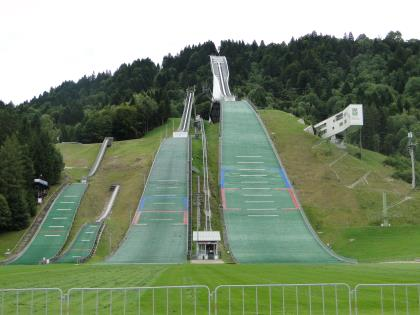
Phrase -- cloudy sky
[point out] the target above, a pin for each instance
(43, 42)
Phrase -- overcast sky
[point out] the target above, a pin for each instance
(44, 42)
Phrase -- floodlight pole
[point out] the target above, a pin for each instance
(411, 151)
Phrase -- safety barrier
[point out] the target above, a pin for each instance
(31, 301)
(387, 299)
(324, 298)
(140, 300)
(311, 299)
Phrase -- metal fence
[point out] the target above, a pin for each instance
(387, 299)
(311, 299)
(283, 299)
(31, 301)
(140, 300)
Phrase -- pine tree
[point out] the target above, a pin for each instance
(12, 182)
(5, 215)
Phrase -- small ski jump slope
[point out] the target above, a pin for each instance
(159, 231)
(105, 144)
(83, 245)
(264, 220)
(53, 231)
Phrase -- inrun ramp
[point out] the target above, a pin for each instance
(83, 245)
(263, 218)
(159, 232)
(54, 230)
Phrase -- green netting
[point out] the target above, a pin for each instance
(262, 216)
(159, 231)
(53, 232)
(83, 245)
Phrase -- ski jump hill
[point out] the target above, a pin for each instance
(159, 230)
(51, 236)
(264, 220)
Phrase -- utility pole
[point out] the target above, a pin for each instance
(198, 204)
(384, 211)
(411, 150)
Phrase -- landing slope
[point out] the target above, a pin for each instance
(263, 218)
(55, 228)
(158, 233)
(83, 245)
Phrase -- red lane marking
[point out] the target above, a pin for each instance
(223, 198)
(185, 217)
(292, 195)
(136, 218)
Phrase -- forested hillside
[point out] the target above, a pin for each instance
(312, 77)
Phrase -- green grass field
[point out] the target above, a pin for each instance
(89, 275)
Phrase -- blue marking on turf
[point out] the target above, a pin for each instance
(222, 178)
(185, 201)
(285, 179)
(141, 203)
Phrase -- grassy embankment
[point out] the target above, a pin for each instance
(347, 218)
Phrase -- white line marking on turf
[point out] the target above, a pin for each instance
(252, 169)
(67, 202)
(52, 235)
(262, 209)
(142, 224)
(162, 219)
(166, 180)
(85, 240)
(248, 156)
(263, 215)
(243, 162)
(62, 209)
(76, 256)
(250, 188)
(56, 226)
(246, 195)
(259, 201)
(253, 182)
(60, 218)
(257, 175)
(89, 232)
(70, 196)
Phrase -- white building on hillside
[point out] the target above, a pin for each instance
(348, 120)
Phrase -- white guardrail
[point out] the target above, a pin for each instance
(311, 299)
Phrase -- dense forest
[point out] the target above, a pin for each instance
(312, 77)
(27, 151)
